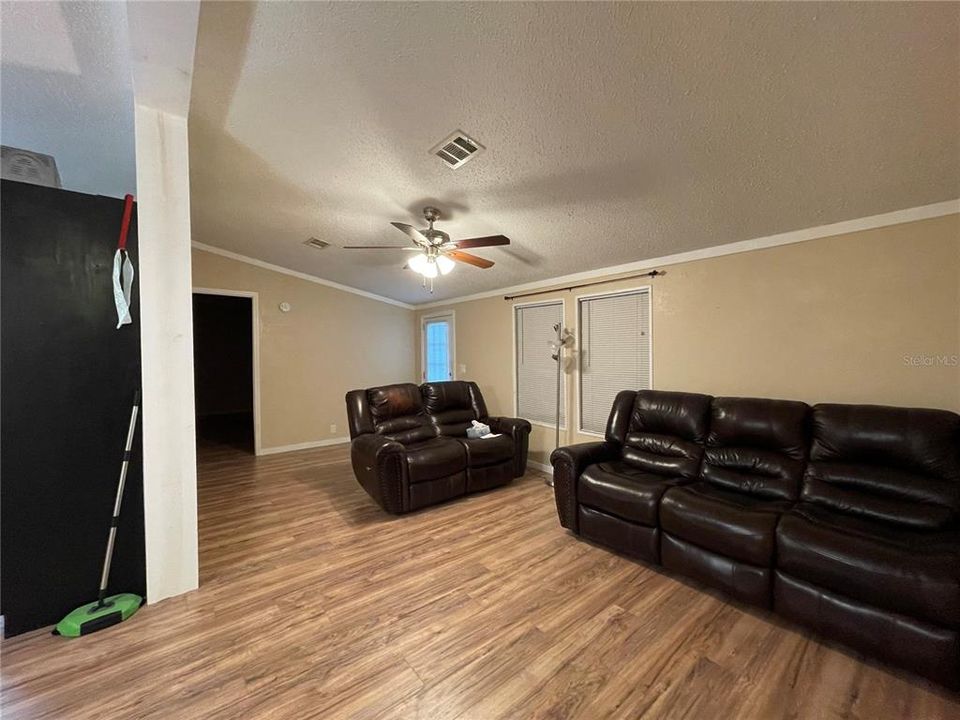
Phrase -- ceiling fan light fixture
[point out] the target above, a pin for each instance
(425, 265)
(418, 262)
(430, 269)
(445, 264)
(436, 253)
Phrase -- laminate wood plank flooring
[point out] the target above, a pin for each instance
(315, 604)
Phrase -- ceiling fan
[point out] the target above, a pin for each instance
(437, 254)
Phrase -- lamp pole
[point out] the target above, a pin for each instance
(558, 356)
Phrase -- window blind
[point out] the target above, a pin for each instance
(614, 352)
(536, 369)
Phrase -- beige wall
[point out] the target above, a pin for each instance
(835, 319)
(330, 342)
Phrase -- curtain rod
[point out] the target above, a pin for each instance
(652, 273)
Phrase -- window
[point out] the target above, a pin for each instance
(437, 334)
(536, 370)
(615, 352)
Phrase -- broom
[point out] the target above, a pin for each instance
(107, 611)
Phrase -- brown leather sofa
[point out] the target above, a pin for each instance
(721, 528)
(843, 518)
(409, 447)
(652, 444)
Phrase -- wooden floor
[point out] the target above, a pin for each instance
(314, 604)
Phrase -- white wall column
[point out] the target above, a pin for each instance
(166, 337)
(162, 41)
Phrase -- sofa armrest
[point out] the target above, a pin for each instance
(519, 430)
(568, 463)
(380, 467)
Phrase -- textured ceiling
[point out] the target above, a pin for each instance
(615, 132)
(66, 90)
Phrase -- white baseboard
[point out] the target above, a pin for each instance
(303, 446)
(540, 466)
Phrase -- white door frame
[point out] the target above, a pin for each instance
(255, 333)
(446, 314)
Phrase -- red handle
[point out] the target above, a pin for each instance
(125, 225)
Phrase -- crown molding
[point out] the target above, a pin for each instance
(299, 275)
(897, 217)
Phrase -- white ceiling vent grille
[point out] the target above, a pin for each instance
(457, 149)
(316, 243)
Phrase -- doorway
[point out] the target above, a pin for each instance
(437, 348)
(225, 366)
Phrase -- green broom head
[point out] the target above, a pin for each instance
(97, 616)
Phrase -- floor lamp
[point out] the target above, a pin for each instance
(563, 337)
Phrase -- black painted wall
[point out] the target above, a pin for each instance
(68, 378)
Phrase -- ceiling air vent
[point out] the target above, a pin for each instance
(457, 149)
(316, 243)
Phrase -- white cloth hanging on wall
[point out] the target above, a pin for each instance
(122, 286)
(123, 268)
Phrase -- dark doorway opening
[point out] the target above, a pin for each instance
(223, 371)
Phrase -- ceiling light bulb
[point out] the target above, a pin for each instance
(429, 269)
(445, 264)
(418, 262)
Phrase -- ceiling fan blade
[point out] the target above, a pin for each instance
(411, 232)
(469, 259)
(380, 247)
(488, 241)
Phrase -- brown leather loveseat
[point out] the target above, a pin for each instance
(843, 518)
(409, 446)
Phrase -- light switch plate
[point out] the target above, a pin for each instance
(461, 368)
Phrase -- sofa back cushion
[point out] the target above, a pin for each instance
(452, 406)
(397, 412)
(757, 446)
(359, 420)
(661, 432)
(898, 465)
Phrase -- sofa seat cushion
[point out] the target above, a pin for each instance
(435, 458)
(729, 523)
(913, 572)
(621, 489)
(487, 451)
